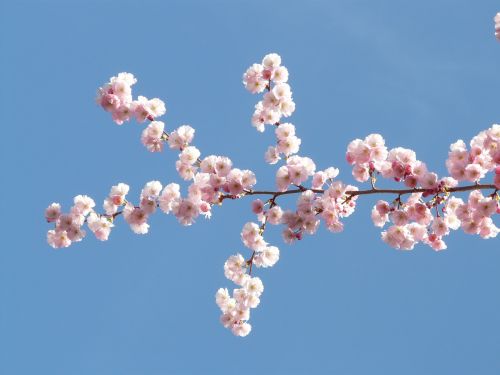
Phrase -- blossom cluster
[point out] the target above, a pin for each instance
(287, 143)
(236, 308)
(68, 226)
(417, 220)
(204, 191)
(207, 188)
(116, 97)
(483, 156)
(413, 221)
(277, 102)
(154, 136)
(330, 206)
(210, 178)
(371, 158)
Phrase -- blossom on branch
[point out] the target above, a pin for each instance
(424, 210)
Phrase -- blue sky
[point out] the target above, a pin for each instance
(422, 74)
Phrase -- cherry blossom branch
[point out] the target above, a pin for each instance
(276, 194)
(213, 179)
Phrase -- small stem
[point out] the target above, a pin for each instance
(250, 263)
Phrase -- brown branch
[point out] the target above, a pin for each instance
(374, 191)
(250, 263)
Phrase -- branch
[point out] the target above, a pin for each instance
(373, 191)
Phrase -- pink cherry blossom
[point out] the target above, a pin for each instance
(257, 206)
(100, 226)
(253, 80)
(137, 218)
(84, 204)
(152, 136)
(181, 137)
(267, 257)
(252, 237)
(58, 238)
(186, 211)
(53, 212)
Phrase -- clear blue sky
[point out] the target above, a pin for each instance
(423, 74)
